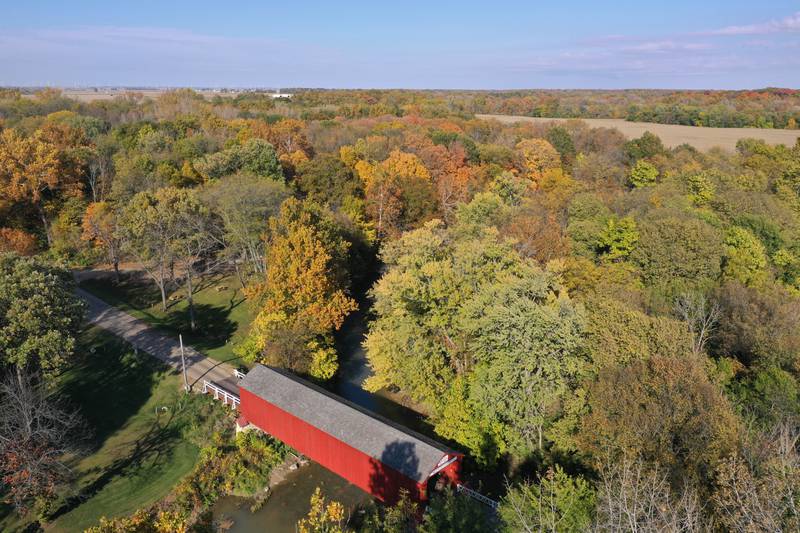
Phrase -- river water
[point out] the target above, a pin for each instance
(289, 501)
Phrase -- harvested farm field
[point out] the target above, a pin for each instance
(671, 134)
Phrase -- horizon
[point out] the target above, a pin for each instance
(447, 46)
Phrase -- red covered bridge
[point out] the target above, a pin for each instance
(365, 449)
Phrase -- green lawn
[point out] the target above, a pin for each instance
(137, 452)
(223, 316)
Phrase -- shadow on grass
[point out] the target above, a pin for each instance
(150, 452)
(214, 327)
(110, 384)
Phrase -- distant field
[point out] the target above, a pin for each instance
(674, 135)
(87, 95)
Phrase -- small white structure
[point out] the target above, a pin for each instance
(278, 94)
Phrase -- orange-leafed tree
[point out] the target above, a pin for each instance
(18, 241)
(304, 295)
(31, 171)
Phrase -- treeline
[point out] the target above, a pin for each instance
(762, 108)
(612, 325)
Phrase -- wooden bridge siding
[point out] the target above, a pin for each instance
(358, 468)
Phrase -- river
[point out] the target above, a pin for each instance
(289, 500)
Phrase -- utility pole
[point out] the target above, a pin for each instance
(183, 364)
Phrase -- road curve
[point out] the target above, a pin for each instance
(148, 339)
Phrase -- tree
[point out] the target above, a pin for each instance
(745, 258)
(700, 316)
(327, 180)
(254, 156)
(449, 511)
(759, 490)
(323, 516)
(304, 295)
(618, 239)
(398, 191)
(17, 241)
(527, 346)
(556, 503)
(31, 171)
(677, 251)
(635, 496)
(153, 226)
(481, 336)
(664, 410)
(39, 316)
(100, 228)
(193, 243)
(643, 174)
(539, 156)
(243, 204)
(37, 434)
(646, 146)
(561, 140)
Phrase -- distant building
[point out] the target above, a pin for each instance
(278, 94)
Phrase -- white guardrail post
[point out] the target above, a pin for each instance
(477, 496)
(220, 392)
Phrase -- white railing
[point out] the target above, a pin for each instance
(477, 496)
(220, 393)
(238, 373)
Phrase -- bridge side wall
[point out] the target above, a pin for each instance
(369, 474)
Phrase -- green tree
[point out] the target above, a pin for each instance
(40, 316)
(243, 204)
(745, 257)
(557, 503)
(618, 239)
(449, 511)
(643, 174)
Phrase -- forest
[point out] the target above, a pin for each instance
(608, 329)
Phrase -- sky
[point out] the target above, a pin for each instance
(432, 44)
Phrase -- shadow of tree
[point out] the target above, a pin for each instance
(107, 368)
(149, 453)
(397, 464)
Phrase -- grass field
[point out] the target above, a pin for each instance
(223, 316)
(674, 135)
(137, 453)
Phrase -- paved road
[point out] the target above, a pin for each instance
(144, 337)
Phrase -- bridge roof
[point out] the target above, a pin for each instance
(410, 453)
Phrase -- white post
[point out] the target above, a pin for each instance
(183, 364)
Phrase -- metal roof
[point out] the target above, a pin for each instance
(409, 453)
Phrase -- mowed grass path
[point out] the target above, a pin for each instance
(222, 314)
(136, 452)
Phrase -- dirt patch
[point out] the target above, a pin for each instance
(673, 135)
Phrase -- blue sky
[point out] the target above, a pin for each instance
(410, 44)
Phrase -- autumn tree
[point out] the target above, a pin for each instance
(100, 228)
(664, 410)
(304, 295)
(31, 171)
(17, 241)
(539, 157)
(323, 517)
(399, 192)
